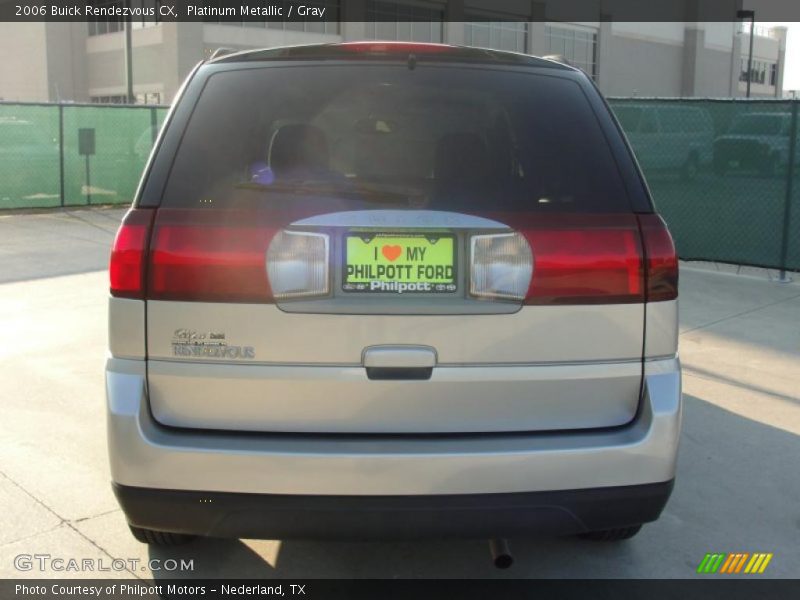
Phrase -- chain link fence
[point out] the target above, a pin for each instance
(723, 174)
(721, 171)
(73, 154)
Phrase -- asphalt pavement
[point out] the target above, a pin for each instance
(737, 490)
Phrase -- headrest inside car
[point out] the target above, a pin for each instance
(298, 150)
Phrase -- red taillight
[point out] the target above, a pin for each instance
(222, 257)
(662, 260)
(209, 256)
(126, 267)
(584, 259)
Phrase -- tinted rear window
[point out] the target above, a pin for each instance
(385, 136)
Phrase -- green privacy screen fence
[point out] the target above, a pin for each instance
(723, 172)
(43, 162)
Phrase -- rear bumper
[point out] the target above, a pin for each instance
(168, 461)
(392, 517)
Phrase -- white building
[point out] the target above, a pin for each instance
(84, 62)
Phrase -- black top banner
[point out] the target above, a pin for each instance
(400, 10)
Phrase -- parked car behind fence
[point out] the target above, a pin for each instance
(668, 138)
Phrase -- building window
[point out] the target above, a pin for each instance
(118, 99)
(103, 25)
(150, 21)
(762, 71)
(743, 28)
(401, 21)
(577, 45)
(140, 98)
(501, 35)
(148, 98)
(765, 73)
(743, 70)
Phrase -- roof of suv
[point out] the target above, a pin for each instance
(387, 50)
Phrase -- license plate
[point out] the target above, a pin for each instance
(399, 263)
(733, 163)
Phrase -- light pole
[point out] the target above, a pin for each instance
(749, 14)
(129, 57)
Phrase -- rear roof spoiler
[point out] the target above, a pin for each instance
(221, 52)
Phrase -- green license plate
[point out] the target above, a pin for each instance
(399, 263)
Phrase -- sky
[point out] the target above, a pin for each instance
(791, 76)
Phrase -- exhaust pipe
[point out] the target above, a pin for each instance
(501, 555)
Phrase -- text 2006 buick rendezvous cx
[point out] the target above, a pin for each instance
(384, 290)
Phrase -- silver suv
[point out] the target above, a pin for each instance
(389, 290)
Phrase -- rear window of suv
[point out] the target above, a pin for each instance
(366, 136)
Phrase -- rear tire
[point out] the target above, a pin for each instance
(160, 538)
(612, 535)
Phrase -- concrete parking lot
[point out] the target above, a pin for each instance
(738, 485)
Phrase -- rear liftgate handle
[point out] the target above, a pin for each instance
(399, 362)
